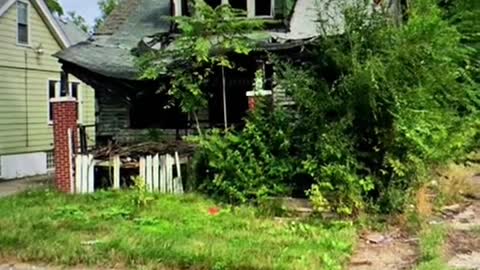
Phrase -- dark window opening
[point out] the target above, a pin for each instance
(263, 8)
(155, 111)
(74, 89)
(51, 94)
(269, 72)
(239, 4)
(214, 3)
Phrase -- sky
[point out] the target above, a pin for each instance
(86, 8)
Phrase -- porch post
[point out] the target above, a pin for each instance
(65, 141)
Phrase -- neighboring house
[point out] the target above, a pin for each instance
(129, 108)
(29, 77)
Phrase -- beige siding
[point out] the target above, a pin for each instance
(24, 79)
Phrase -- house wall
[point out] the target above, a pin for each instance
(113, 118)
(25, 132)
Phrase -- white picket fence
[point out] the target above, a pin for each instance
(157, 171)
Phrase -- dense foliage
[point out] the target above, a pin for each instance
(208, 37)
(374, 109)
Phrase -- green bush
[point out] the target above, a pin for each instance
(375, 108)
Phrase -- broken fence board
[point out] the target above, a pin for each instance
(155, 164)
(78, 174)
(178, 179)
(116, 172)
(84, 173)
(163, 171)
(148, 173)
(91, 174)
(169, 173)
(71, 161)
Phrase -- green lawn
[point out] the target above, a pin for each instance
(108, 229)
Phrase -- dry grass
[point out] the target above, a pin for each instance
(455, 182)
(424, 202)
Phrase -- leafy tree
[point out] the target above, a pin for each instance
(79, 21)
(54, 7)
(106, 7)
(206, 40)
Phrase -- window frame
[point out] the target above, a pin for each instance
(79, 98)
(250, 9)
(29, 35)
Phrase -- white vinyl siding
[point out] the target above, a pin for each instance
(24, 80)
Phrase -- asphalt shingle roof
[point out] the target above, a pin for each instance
(110, 51)
(73, 33)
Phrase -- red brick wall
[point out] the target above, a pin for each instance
(64, 118)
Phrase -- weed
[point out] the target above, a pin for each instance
(70, 212)
(140, 196)
(432, 239)
(116, 213)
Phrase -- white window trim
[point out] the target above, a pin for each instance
(250, 8)
(29, 27)
(57, 94)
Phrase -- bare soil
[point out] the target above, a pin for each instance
(396, 251)
(463, 247)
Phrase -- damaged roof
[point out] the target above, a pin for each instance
(109, 51)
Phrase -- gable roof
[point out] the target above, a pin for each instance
(46, 15)
(71, 31)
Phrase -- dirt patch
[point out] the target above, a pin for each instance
(462, 242)
(463, 247)
(393, 251)
(467, 219)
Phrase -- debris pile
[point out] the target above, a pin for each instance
(135, 151)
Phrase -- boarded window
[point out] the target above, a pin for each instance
(22, 23)
(263, 8)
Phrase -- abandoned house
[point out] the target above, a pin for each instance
(128, 108)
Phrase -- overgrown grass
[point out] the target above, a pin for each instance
(455, 183)
(107, 229)
(432, 240)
